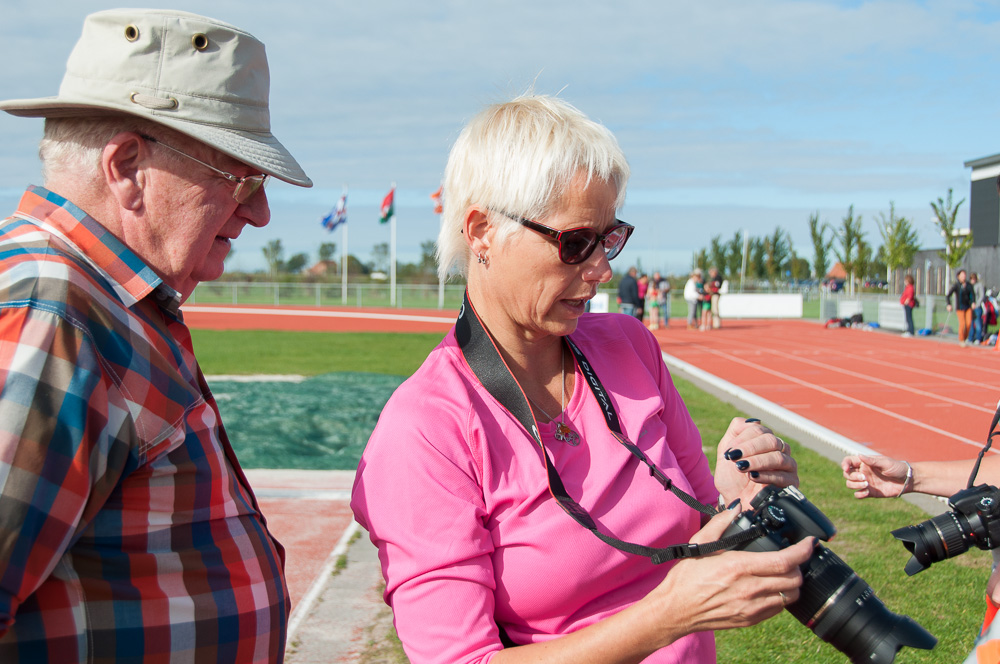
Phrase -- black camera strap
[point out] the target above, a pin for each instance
(486, 362)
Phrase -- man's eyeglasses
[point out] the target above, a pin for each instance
(246, 186)
(577, 244)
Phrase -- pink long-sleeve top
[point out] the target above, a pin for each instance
(454, 494)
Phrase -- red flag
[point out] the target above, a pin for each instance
(388, 207)
(436, 197)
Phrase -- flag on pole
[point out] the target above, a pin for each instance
(436, 197)
(388, 206)
(337, 216)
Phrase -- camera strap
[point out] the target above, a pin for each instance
(484, 358)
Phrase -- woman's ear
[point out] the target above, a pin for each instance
(121, 167)
(477, 231)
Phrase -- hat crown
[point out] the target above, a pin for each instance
(196, 75)
(173, 63)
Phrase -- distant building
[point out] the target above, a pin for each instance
(322, 269)
(984, 204)
(929, 269)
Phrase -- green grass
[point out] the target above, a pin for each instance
(947, 599)
(310, 353)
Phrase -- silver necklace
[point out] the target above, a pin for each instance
(563, 433)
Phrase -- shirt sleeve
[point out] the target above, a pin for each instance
(58, 462)
(418, 493)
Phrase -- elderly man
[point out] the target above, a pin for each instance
(127, 529)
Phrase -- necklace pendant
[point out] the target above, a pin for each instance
(566, 435)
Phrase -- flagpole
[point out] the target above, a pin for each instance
(343, 268)
(392, 255)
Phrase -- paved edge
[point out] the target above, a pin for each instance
(827, 443)
(303, 608)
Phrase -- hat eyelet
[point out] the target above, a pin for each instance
(131, 32)
(199, 41)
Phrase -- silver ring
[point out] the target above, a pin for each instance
(784, 600)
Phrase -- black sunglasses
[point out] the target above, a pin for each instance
(577, 244)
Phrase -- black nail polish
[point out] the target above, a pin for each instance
(751, 420)
(742, 465)
(733, 455)
(733, 504)
(754, 474)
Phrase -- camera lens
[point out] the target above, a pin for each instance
(842, 609)
(933, 540)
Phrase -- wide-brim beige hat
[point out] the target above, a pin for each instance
(196, 75)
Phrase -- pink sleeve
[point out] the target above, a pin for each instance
(418, 493)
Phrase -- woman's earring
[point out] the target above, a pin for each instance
(483, 261)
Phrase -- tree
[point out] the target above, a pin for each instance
(756, 260)
(821, 245)
(327, 251)
(734, 256)
(863, 259)
(777, 250)
(849, 235)
(899, 241)
(295, 264)
(717, 253)
(380, 257)
(428, 259)
(273, 252)
(700, 260)
(955, 245)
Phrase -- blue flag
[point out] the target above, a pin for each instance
(337, 216)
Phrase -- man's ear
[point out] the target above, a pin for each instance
(121, 166)
(477, 231)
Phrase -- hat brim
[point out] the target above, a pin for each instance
(258, 149)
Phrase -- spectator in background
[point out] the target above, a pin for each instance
(662, 298)
(964, 296)
(978, 296)
(643, 286)
(653, 304)
(692, 295)
(628, 293)
(129, 532)
(714, 288)
(909, 300)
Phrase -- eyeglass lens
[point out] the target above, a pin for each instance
(248, 186)
(577, 246)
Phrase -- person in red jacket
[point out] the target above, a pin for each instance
(909, 300)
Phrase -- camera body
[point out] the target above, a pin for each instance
(834, 602)
(974, 520)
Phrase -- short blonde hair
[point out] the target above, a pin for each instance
(518, 158)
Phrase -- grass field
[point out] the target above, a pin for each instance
(947, 599)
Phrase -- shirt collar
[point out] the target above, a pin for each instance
(132, 278)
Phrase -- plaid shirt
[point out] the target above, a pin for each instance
(127, 529)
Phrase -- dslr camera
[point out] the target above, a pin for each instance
(974, 520)
(834, 602)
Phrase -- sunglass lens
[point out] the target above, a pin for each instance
(576, 246)
(615, 241)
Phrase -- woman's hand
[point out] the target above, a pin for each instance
(749, 457)
(732, 588)
(874, 476)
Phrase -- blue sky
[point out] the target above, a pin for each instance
(734, 114)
